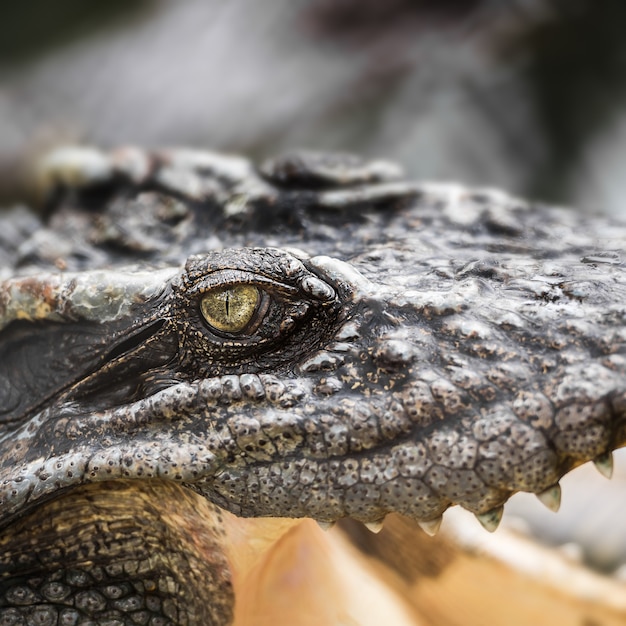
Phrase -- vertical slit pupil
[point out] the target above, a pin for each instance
(231, 308)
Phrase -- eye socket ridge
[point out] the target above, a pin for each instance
(234, 302)
(246, 307)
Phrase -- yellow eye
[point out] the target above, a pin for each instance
(230, 309)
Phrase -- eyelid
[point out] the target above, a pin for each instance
(231, 278)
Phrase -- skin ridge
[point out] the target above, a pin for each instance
(423, 345)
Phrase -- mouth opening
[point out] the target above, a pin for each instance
(134, 341)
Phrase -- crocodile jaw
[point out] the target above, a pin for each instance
(419, 400)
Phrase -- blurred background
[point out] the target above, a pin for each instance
(526, 95)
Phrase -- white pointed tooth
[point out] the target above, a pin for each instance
(374, 527)
(551, 497)
(604, 464)
(325, 525)
(431, 526)
(491, 519)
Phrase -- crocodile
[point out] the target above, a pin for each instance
(311, 337)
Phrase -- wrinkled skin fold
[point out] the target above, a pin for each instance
(412, 348)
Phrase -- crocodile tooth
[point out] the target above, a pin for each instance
(604, 464)
(551, 497)
(374, 527)
(431, 526)
(325, 525)
(491, 519)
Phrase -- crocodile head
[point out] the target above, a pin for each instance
(398, 348)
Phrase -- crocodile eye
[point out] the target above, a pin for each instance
(230, 309)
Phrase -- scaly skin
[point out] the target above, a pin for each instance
(419, 346)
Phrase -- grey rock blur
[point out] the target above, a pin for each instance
(524, 95)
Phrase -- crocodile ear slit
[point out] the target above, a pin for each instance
(604, 464)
